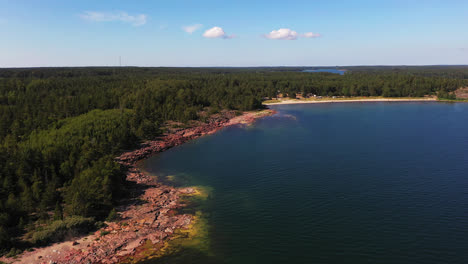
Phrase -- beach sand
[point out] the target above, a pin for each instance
(349, 100)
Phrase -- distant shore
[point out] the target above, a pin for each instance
(347, 100)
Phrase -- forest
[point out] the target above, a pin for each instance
(61, 128)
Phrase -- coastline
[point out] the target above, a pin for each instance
(148, 218)
(351, 100)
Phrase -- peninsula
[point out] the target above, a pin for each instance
(148, 219)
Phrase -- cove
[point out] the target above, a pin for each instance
(330, 183)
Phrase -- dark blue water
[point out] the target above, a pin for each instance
(340, 72)
(332, 183)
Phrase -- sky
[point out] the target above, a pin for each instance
(232, 33)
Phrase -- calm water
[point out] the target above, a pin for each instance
(340, 72)
(332, 183)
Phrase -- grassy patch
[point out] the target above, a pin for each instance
(13, 253)
(271, 101)
(62, 229)
(103, 233)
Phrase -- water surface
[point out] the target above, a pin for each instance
(332, 183)
(340, 72)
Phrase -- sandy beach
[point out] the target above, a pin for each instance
(349, 100)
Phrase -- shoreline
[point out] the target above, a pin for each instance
(148, 217)
(319, 101)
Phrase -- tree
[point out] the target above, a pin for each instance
(58, 212)
(112, 215)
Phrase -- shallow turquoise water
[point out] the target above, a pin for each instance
(332, 183)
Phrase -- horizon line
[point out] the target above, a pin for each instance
(261, 66)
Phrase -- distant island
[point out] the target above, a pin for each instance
(70, 139)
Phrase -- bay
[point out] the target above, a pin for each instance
(330, 183)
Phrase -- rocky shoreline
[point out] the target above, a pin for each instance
(149, 216)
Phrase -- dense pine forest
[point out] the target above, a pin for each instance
(61, 128)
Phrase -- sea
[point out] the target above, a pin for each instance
(368, 182)
(340, 72)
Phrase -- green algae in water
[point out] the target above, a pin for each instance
(193, 238)
(178, 180)
(189, 243)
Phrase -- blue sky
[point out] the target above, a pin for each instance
(232, 33)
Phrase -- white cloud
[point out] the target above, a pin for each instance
(282, 33)
(135, 20)
(289, 34)
(216, 32)
(192, 28)
(311, 35)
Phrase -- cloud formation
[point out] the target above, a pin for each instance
(289, 34)
(311, 35)
(192, 28)
(282, 33)
(135, 20)
(216, 32)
